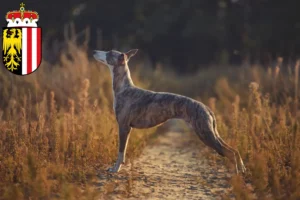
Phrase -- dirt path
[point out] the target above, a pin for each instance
(171, 168)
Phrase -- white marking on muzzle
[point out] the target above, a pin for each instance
(100, 56)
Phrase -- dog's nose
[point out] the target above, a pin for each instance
(100, 56)
(95, 52)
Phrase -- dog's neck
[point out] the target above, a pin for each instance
(121, 78)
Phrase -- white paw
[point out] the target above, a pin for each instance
(114, 169)
(118, 164)
(242, 166)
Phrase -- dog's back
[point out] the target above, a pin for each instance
(146, 108)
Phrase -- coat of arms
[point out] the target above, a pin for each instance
(22, 42)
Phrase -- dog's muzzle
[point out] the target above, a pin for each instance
(100, 56)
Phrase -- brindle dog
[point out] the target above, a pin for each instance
(138, 108)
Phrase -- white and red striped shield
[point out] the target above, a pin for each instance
(22, 50)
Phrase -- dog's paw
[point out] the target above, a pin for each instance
(113, 169)
(243, 169)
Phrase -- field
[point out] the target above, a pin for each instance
(58, 130)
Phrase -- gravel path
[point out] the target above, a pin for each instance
(174, 167)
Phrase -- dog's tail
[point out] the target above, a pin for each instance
(214, 121)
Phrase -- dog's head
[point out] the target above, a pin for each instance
(114, 58)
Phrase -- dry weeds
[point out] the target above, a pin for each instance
(57, 128)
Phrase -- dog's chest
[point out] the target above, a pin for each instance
(119, 104)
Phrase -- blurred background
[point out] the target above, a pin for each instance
(185, 34)
(239, 57)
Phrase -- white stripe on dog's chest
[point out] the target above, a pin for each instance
(114, 102)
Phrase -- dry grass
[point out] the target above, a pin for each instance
(57, 126)
(257, 112)
(58, 129)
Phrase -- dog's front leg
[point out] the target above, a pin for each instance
(124, 132)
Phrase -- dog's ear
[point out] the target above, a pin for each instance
(131, 53)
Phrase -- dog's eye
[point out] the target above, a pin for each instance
(121, 57)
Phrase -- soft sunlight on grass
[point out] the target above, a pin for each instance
(58, 128)
(257, 112)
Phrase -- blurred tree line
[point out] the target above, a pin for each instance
(183, 33)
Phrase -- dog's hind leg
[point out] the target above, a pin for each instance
(236, 153)
(124, 132)
(214, 141)
(217, 141)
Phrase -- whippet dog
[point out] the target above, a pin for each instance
(138, 108)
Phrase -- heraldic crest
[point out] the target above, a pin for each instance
(22, 41)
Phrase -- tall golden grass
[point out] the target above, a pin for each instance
(58, 129)
(257, 112)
